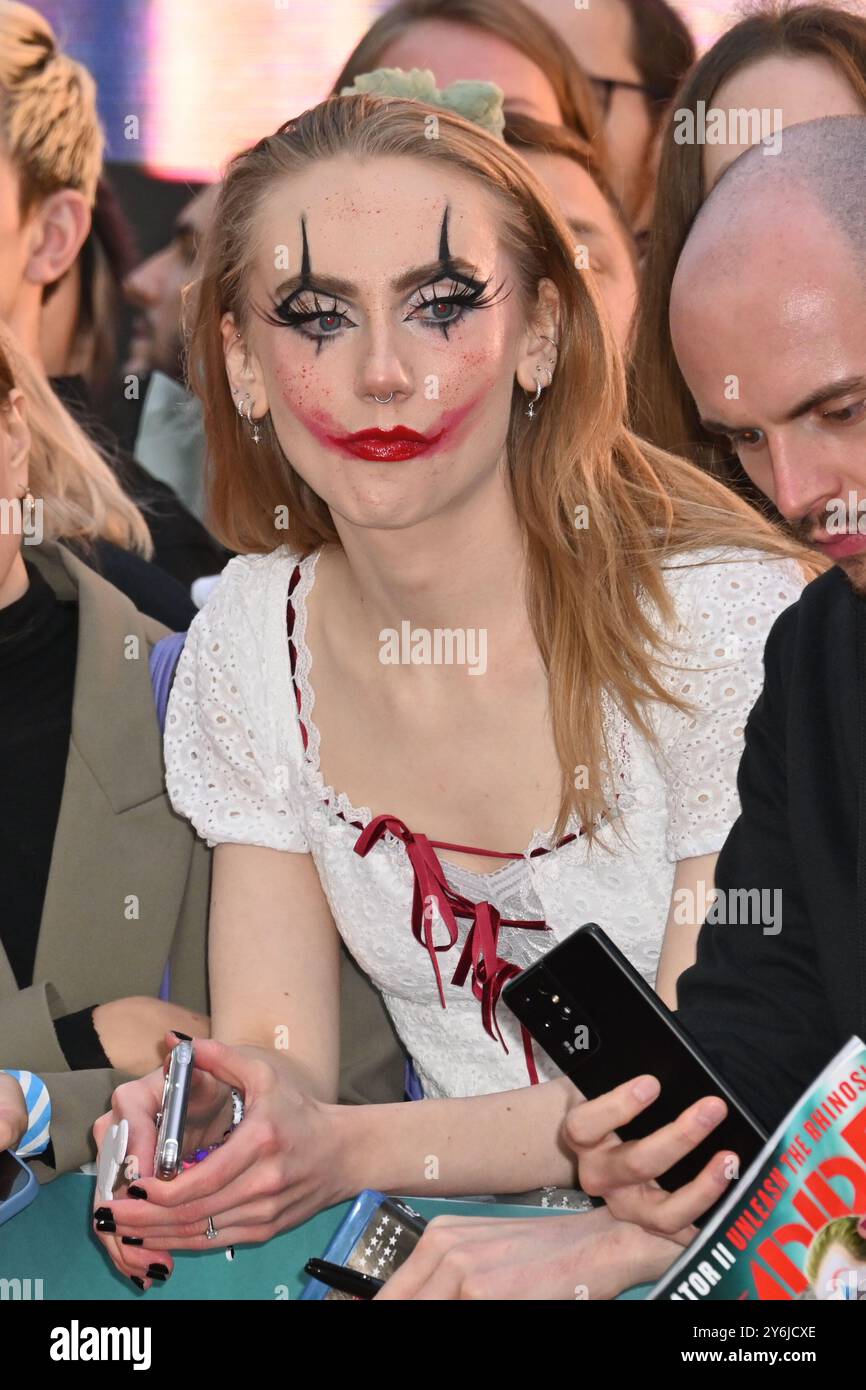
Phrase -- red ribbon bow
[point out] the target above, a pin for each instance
(490, 973)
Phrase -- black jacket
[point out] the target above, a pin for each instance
(182, 546)
(772, 1009)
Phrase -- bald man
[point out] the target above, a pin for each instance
(767, 314)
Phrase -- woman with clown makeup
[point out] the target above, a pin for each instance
(479, 674)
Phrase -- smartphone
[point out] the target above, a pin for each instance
(171, 1118)
(599, 1021)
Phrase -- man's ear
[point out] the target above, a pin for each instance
(539, 351)
(59, 230)
(242, 370)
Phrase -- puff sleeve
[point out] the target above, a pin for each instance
(726, 611)
(232, 746)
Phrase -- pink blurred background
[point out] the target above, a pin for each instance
(206, 77)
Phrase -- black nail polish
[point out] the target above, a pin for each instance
(131, 1240)
(184, 1037)
(106, 1227)
(103, 1214)
(157, 1271)
(138, 1192)
(135, 1279)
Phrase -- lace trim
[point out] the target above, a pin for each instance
(338, 803)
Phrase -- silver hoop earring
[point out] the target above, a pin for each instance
(384, 400)
(530, 409)
(245, 410)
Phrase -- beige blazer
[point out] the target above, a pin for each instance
(128, 886)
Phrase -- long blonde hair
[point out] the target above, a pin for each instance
(584, 586)
(81, 498)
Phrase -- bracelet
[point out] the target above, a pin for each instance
(237, 1115)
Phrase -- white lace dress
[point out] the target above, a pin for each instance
(238, 769)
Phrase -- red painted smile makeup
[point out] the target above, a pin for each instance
(386, 445)
(392, 445)
(300, 305)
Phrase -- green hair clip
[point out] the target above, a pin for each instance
(480, 102)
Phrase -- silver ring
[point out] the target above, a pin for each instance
(211, 1231)
(383, 400)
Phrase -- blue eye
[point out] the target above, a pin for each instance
(328, 322)
(444, 310)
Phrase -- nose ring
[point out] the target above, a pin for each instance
(383, 400)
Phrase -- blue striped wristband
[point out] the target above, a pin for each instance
(37, 1138)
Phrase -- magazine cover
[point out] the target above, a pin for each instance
(794, 1227)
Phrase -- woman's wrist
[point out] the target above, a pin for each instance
(365, 1154)
(640, 1258)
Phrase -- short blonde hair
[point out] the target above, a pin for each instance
(49, 125)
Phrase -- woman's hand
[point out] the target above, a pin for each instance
(132, 1031)
(208, 1116)
(287, 1159)
(13, 1113)
(625, 1174)
(581, 1256)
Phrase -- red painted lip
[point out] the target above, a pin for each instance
(842, 547)
(387, 445)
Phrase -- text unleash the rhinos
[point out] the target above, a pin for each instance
(76, 1343)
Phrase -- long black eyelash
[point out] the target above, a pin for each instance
(282, 314)
(472, 296)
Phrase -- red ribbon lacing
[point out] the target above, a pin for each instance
(480, 954)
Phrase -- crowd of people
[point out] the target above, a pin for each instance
(540, 330)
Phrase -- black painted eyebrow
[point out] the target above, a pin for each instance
(305, 252)
(447, 267)
(458, 270)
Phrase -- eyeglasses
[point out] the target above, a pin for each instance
(606, 86)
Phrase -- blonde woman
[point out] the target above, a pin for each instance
(51, 147)
(415, 416)
(102, 883)
(81, 503)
